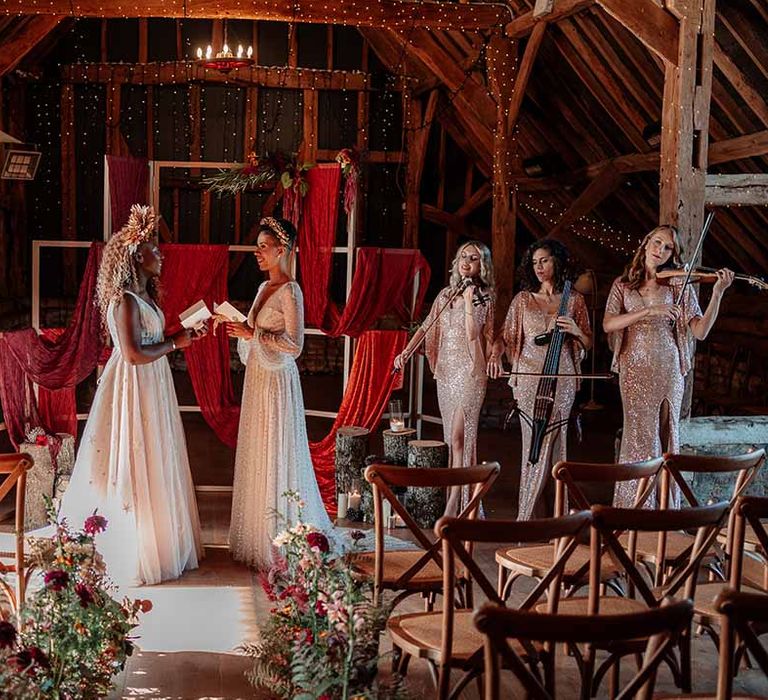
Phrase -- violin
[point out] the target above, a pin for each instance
(706, 275)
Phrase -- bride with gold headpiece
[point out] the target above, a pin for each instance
(132, 463)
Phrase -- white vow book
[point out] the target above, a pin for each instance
(229, 312)
(195, 315)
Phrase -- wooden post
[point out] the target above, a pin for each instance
(685, 131)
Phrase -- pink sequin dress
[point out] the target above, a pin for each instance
(459, 368)
(651, 357)
(525, 320)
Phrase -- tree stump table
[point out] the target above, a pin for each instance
(426, 505)
(351, 451)
(396, 444)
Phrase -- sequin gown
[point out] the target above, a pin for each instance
(459, 368)
(132, 465)
(272, 448)
(525, 320)
(651, 357)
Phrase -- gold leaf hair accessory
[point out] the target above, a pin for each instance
(140, 227)
(269, 222)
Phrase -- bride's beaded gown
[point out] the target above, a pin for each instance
(272, 447)
(132, 465)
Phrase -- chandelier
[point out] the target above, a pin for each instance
(225, 60)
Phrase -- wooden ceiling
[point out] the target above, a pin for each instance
(593, 95)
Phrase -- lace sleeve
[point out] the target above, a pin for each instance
(291, 340)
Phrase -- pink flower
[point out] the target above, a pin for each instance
(319, 540)
(56, 579)
(7, 634)
(95, 523)
(84, 594)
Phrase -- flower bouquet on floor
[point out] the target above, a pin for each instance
(321, 641)
(73, 637)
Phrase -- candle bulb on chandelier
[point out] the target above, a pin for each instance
(208, 51)
(199, 52)
(249, 53)
(225, 50)
(239, 50)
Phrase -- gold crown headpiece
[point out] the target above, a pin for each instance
(269, 222)
(140, 227)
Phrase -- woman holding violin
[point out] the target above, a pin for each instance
(457, 335)
(545, 275)
(649, 318)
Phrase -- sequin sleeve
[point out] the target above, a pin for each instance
(512, 332)
(686, 343)
(615, 305)
(432, 338)
(581, 317)
(291, 340)
(244, 346)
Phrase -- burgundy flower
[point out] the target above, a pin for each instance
(7, 634)
(319, 540)
(56, 579)
(84, 593)
(26, 659)
(38, 656)
(320, 608)
(95, 523)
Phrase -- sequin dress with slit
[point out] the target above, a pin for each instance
(132, 465)
(272, 448)
(459, 368)
(525, 320)
(651, 357)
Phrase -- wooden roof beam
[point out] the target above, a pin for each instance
(523, 25)
(737, 190)
(652, 25)
(523, 75)
(31, 30)
(376, 13)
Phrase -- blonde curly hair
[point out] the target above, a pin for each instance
(117, 272)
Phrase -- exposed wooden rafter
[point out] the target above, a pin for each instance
(737, 190)
(523, 25)
(375, 13)
(29, 31)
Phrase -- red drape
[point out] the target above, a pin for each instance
(370, 384)
(54, 364)
(317, 234)
(190, 273)
(383, 283)
(58, 411)
(128, 177)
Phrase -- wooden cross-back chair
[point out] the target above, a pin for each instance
(12, 556)
(607, 523)
(747, 516)
(661, 553)
(446, 639)
(661, 626)
(532, 561)
(416, 571)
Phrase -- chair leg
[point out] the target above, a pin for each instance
(615, 680)
(501, 581)
(685, 662)
(588, 669)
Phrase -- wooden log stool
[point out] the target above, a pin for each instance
(426, 505)
(396, 445)
(351, 451)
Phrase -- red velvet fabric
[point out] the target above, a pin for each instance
(58, 411)
(54, 364)
(128, 178)
(370, 384)
(190, 273)
(317, 235)
(383, 284)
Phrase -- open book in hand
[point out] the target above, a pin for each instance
(228, 312)
(195, 315)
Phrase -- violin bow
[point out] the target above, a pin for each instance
(694, 257)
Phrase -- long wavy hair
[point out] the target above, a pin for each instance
(634, 273)
(486, 266)
(566, 267)
(118, 270)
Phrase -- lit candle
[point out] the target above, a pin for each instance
(208, 51)
(353, 499)
(387, 508)
(250, 51)
(225, 50)
(341, 511)
(239, 50)
(199, 52)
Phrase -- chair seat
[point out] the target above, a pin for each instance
(704, 612)
(420, 634)
(754, 572)
(677, 544)
(751, 543)
(396, 563)
(609, 605)
(537, 560)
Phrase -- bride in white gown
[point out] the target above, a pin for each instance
(272, 447)
(132, 463)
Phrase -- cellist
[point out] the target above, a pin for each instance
(649, 331)
(532, 315)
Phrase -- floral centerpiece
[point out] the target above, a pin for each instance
(73, 637)
(322, 637)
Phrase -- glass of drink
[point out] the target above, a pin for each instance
(396, 422)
